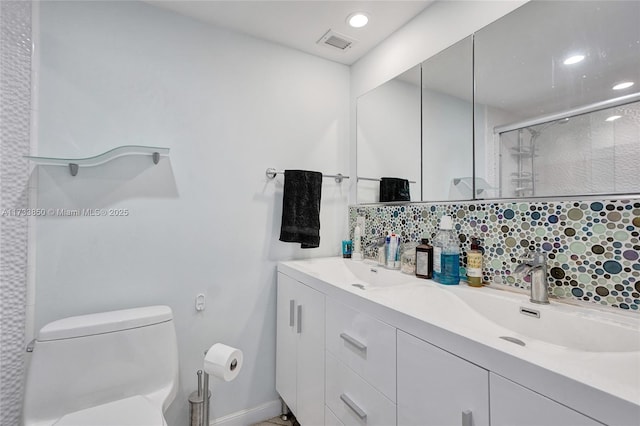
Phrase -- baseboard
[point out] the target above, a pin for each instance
(250, 416)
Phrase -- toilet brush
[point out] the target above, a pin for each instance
(197, 406)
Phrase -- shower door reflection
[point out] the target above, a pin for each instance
(595, 153)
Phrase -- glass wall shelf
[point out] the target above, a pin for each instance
(121, 151)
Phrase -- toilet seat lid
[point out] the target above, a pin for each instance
(133, 411)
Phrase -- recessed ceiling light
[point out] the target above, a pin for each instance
(623, 85)
(574, 59)
(358, 20)
(613, 118)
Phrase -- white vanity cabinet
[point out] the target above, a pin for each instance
(300, 363)
(514, 405)
(437, 388)
(375, 357)
(330, 419)
(360, 366)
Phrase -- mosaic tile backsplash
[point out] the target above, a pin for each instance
(592, 246)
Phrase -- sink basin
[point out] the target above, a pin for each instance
(487, 312)
(373, 276)
(574, 327)
(346, 272)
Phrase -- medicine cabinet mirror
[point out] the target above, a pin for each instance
(388, 135)
(435, 99)
(551, 115)
(447, 124)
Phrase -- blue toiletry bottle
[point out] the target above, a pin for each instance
(346, 249)
(446, 254)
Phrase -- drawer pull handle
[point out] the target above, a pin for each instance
(467, 418)
(291, 312)
(356, 344)
(299, 319)
(353, 406)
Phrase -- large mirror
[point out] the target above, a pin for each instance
(388, 140)
(419, 127)
(557, 100)
(556, 110)
(447, 124)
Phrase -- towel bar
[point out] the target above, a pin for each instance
(271, 174)
(377, 179)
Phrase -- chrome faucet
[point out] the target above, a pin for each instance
(534, 264)
(375, 244)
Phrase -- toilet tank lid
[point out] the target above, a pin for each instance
(104, 322)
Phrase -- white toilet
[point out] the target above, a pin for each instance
(112, 368)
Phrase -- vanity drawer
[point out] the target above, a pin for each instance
(363, 343)
(354, 401)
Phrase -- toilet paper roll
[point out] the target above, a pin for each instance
(223, 361)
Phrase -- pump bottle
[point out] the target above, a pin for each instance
(474, 264)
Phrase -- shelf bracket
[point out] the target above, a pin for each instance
(271, 173)
(156, 157)
(73, 169)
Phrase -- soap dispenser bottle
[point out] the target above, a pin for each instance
(474, 264)
(446, 254)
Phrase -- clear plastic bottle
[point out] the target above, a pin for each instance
(446, 254)
(408, 258)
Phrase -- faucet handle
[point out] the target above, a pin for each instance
(534, 257)
(378, 242)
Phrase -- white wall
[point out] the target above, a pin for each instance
(204, 220)
(15, 111)
(436, 28)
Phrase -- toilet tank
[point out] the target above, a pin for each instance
(87, 360)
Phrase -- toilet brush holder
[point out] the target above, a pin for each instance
(197, 405)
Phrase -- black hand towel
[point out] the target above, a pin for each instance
(394, 189)
(301, 208)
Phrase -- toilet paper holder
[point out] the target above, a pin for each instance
(200, 399)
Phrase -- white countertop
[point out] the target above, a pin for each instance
(581, 373)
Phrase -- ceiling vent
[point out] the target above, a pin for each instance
(335, 40)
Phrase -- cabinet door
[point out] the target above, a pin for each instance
(437, 388)
(286, 341)
(514, 405)
(310, 325)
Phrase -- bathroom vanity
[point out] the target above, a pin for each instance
(359, 344)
